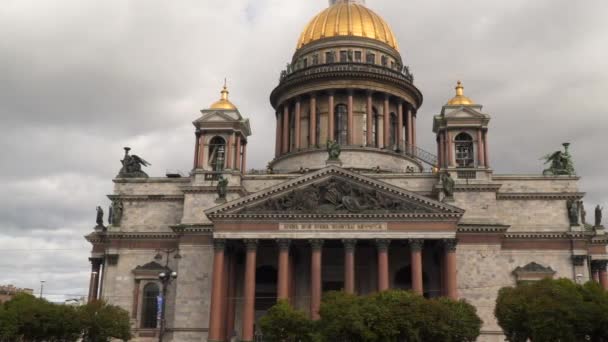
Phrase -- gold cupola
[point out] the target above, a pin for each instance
(347, 18)
(223, 103)
(460, 99)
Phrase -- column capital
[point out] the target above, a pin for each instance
(369, 92)
(450, 244)
(219, 244)
(198, 132)
(349, 244)
(96, 262)
(251, 244)
(283, 244)
(382, 244)
(578, 260)
(415, 244)
(350, 91)
(316, 243)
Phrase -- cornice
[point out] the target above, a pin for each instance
(482, 228)
(549, 235)
(191, 189)
(152, 197)
(477, 187)
(292, 216)
(540, 195)
(535, 177)
(151, 180)
(181, 229)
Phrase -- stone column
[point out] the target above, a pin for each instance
(450, 144)
(330, 124)
(486, 157)
(383, 281)
(285, 134)
(400, 125)
(197, 146)
(249, 291)
(480, 150)
(297, 132)
(94, 280)
(231, 153)
(351, 134)
(244, 162)
(231, 307)
(409, 127)
(416, 256)
(414, 142)
(135, 307)
(349, 265)
(387, 122)
(279, 139)
(315, 278)
(450, 268)
(370, 118)
(603, 274)
(595, 271)
(312, 140)
(239, 156)
(215, 312)
(283, 276)
(201, 153)
(439, 152)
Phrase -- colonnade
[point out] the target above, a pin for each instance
(95, 280)
(405, 113)
(599, 272)
(221, 323)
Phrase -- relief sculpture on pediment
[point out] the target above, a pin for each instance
(335, 196)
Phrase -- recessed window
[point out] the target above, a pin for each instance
(315, 59)
(149, 310)
(384, 61)
(464, 150)
(341, 124)
(305, 62)
(217, 153)
(358, 56)
(343, 56)
(330, 57)
(370, 58)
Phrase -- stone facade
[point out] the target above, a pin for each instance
(372, 219)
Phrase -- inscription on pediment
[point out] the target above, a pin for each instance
(335, 196)
(333, 226)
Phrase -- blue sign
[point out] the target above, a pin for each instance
(159, 308)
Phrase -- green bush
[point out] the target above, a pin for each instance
(282, 323)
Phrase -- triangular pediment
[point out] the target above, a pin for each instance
(219, 116)
(465, 112)
(334, 192)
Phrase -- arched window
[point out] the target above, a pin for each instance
(149, 310)
(341, 124)
(292, 131)
(464, 150)
(217, 153)
(393, 130)
(375, 125)
(318, 128)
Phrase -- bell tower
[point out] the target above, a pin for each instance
(221, 138)
(462, 135)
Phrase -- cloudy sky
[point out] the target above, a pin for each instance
(80, 79)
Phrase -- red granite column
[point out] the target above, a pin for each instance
(595, 271)
(370, 118)
(135, 304)
(383, 281)
(215, 311)
(330, 123)
(197, 146)
(480, 150)
(285, 134)
(230, 311)
(450, 146)
(603, 274)
(440, 156)
(400, 125)
(410, 130)
(244, 162)
(238, 153)
(349, 265)
(350, 134)
(416, 256)
(387, 122)
(279, 139)
(451, 281)
(414, 142)
(315, 278)
(249, 291)
(283, 276)
(297, 119)
(312, 140)
(94, 281)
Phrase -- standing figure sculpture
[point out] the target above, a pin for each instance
(448, 185)
(334, 150)
(598, 216)
(99, 219)
(115, 213)
(573, 212)
(222, 188)
(560, 163)
(131, 166)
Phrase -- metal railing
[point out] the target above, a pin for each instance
(405, 76)
(418, 153)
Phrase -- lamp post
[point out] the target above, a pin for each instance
(41, 288)
(165, 277)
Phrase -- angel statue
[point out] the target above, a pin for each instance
(131, 166)
(561, 163)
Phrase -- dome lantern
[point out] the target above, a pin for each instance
(460, 99)
(223, 103)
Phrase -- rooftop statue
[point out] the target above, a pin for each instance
(334, 150)
(222, 187)
(131, 166)
(561, 163)
(598, 216)
(448, 185)
(99, 218)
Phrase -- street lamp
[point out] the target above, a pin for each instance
(41, 288)
(165, 278)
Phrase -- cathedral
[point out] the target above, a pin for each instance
(349, 202)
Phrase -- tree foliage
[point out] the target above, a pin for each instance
(390, 316)
(282, 323)
(26, 318)
(553, 310)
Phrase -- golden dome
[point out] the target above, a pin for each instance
(223, 103)
(348, 19)
(460, 99)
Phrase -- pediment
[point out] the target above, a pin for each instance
(465, 113)
(219, 116)
(334, 192)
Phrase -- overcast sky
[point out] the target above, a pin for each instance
(80, 79)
